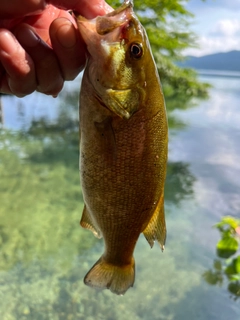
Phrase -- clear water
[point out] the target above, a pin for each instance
(44, 254)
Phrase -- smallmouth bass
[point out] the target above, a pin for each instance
(123, 144)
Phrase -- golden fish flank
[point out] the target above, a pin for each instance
(123, 148)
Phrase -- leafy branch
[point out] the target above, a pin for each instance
(228, 250)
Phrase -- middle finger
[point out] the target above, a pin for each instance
(48, 73)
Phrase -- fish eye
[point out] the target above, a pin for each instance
(136, 50)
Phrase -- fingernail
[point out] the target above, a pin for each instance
(8, 43)
(27, 37)
(66, 35)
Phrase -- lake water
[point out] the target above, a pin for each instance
(44, 254)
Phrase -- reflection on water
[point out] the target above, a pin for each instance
(44, 254)
(218, 275)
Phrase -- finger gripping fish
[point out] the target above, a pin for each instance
(123, 148)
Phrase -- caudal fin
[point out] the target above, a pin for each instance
(104, 275)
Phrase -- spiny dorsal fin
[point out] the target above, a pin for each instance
(87, 223)
(156, 228)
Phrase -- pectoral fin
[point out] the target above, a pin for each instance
(156, 228)
(87, 223)
(123, 102)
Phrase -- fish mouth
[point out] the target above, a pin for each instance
(126, 4)
(107, 23)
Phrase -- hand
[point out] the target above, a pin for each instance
(40, 46)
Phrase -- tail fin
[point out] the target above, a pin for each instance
(116, 278)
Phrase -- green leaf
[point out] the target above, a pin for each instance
(235, 277)
(227, 247)
(228, 221)
(213, 278)
(234, 288)
(231, 269)
(217, 265)
(236, 262)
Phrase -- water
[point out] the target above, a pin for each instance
(44, 254)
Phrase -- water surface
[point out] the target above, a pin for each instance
(44, 254)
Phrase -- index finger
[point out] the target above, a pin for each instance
(16, 9)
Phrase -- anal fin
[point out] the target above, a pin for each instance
(156, 228)
(87, 223)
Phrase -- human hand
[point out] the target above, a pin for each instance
(40, 46)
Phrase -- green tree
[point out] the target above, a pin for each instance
(168, 27)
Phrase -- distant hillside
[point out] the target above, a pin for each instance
(228, 61)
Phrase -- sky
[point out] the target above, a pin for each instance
(217, 25)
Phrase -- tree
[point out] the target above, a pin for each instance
(167, 25)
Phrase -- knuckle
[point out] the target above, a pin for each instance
(71, 73)
(70, 77)
(21, 89)
(52, 88)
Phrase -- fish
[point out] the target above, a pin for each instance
(123, 144)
